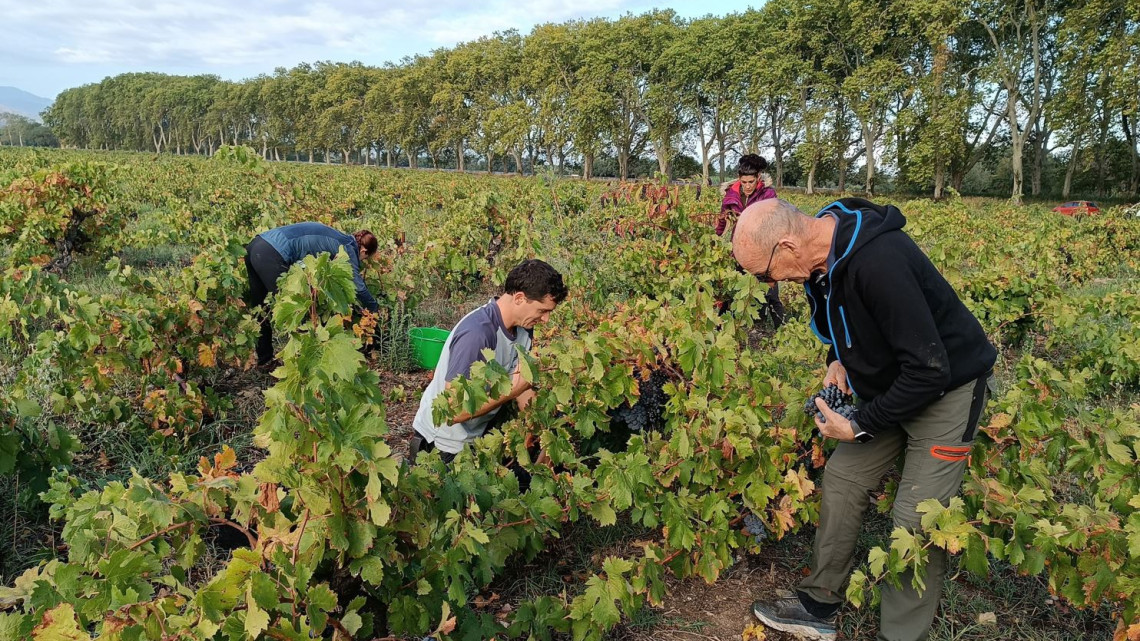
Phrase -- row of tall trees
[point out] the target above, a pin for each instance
(20, 131)
(924, 89)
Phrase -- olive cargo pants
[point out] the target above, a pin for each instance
(937, 444)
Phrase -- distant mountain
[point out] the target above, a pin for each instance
(18, 101)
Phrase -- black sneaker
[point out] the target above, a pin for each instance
(789, 615)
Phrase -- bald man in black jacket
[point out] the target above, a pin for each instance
(919, 364)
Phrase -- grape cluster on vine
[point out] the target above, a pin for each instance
(755, 527)
(648, 413)
(839, 402)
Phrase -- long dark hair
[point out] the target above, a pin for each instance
(367, 241)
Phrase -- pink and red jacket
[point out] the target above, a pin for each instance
(734, 201)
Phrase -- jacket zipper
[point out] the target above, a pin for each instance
(846, 332)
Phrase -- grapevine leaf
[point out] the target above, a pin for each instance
(322, 597)
(11, 624)
(527, 366)
(603, 513)
(256, 621)
(340, 359)
(59, 624)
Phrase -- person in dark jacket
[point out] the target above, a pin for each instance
(271, 253)
(751, 186)
(919, 365)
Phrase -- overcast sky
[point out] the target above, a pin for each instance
(50, 45)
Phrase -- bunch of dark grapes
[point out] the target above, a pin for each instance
(840, 403)
(754, 526)
(648, 413)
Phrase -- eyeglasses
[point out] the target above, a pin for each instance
(764, 276)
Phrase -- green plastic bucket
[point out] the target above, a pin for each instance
(427, 345)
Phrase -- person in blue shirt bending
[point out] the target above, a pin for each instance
(271, 253)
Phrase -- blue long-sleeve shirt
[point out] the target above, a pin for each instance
(295, 242)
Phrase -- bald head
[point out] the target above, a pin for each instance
(761, 227)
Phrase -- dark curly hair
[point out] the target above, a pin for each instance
(536, 279)
(751, 165)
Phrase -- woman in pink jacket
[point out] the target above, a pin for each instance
(751, 186)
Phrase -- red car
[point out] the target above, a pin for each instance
(1077, 208)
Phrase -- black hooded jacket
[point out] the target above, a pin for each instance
(890, 317)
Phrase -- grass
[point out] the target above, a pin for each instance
(1021, 606)
(163, 256)
(393, 350)
(568, 561)
(90, 276)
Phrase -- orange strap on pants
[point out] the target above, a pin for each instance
(950, 453)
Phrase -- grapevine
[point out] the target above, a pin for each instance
(652, 406)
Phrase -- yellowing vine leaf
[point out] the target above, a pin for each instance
(753, 632)
(59, 624)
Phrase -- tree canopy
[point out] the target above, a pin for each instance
(1040, 95)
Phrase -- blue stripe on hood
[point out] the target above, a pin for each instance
(832, 261)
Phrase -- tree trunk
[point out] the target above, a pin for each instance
(774, 127)
(1017, 145)
(957, 179)
(811, 179)
(588, 166)
(939, 176)
(1018, 186)
(623, 164)
(778, 159)
(1074, 160)
(869, 143)
(721, 142)
(1128, 125)
(518, 160)
(1035, 179)
(1102, 152)
(460, 154)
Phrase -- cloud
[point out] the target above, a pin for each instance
(500, 15)
(49, 45)
(220, 33)
(156, 34)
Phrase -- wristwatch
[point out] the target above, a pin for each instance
(860, 435)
